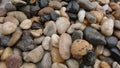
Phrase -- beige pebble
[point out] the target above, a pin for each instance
(36, 33)
(115, 65)
(3, 65)
(97, 63)
(117, 33)
(72, 63)
(104, 1)
(46, 43)
(39, 40)
(81, 15)
(96, 26)
(63, 12)
(104, 65)
(99, 50)
(55, 40)
(17, 51)
(114, 5)
(58, 65)
(1, 51)
(28, 65)
(106, 52)
(26, 24)
(55, 4)
(2, 19)
(9, 28)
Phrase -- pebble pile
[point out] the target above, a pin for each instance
(59, 33)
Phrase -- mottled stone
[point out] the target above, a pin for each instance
(99, 50)
(26, 24)
(39, 40)
(72, 63)
(46, 43)
(36, 33)
(104, 65)
(90, 17)
(106, 52)
(2, 12)
(77, 35)
(55, 40)
(55, 4)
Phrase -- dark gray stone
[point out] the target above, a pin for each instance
(77, 35)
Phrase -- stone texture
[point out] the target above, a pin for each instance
(2, 12)
(104, 65)
(39, 40)
(26, 24)
(77, 35)
(90, 17)
(28, 65)
(99, 50)
(55, 40)
(117, 33)
(36, 33)
(81, 15)
(58, 65)
(3, 65)
(46, 43)
(55, 4)
(117, 24)
(72, 63)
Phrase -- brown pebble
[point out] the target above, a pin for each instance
(3, 65)
(117, 33)
(104, 65)
(116, 14)
(2, 12)
(114, 5)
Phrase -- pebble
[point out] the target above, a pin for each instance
(107, 26)
(1, 30)
(73, 16)
(46, 61)
(2, 19)
(18, 15)
(9, 28)
(3, 65)
(77, 35)
(81, 15)
(54, 15)
(10, 7)
(46, 43)
(15, 37)
(118, 45)
(55, 40)
(79, 48)
(106, 59)
(99, 50)
(56, 57)
(45, 10)
(28, 65)
(39, 40)
(11, 19)
(50, 28)
(97, 63)
(64, 45)
(2, 12)
(36, 33)
(116, 14)
(35, 55)
(4, 40)
(62, 22)
(45, 18)
(14, 61)
(55, 4)
(1, 50)
(104, 1)
(34, 10)
(72, 63)
(85, 66)
(26, 24)
(115, 65)
(7, 52)
(86, 4)
(26, 42)
(117, 33)
(114, 6)
(76, 26)
(58, 65)
(93, 36)
(90, 17)
(43, 3)
(96, 26)
(111, 41)
(117, 24)
(106, 52)
(63, 12)
(36, 26)
(104, 65)
(17, 51)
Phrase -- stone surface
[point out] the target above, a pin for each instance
(118, 44)
(117, 24)
(55, 4)
(116, 14)
(93, 36)
(14, 61)
(77, 35)
(107, 26)
(58, 65)
(26, 24)
(97, 63)
(72, 63)
(46, 62)
(56, 57)
(15, 37)
(106, 52)
(3, 65)
(28, 65)
(104, 65)
(4, 39)
(39, 40)
(2, 12)
(115, 65)
(114, 6)
(79, 48)
(96, 26)
(36, 33)
(117, 33)
(17, 51)
(50, 28)
(90, 17)
(35, 55)
(9, 28)
(55, 40)
(104, 1)
(64, 45)
(99, 50)
(62, 25)
(46, 43)
(54, 15)
(81, 15)
(10, 7)
(43, 3)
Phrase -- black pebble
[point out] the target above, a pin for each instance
(37, 26)
(4, 40)
(43, 3)
(111, 41)
(77, 35)
(54, 15)
(34, 10)
(73, 7)
(45, 18)
(73, 16)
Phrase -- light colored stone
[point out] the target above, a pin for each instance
(50, 28)
(55, 4)
(81, 15)
(107, 26)
(35, 55)
(26, 24)
(7, 52)
(15, 37)
(106, 52)
(3, 65)
(9, 28)
(76, 26)
(62, 25)
(39, 40)
(96, 26)
(104, 65)
(72, 63)
(55, 40)
(58, 65)
(63, 12)
(17, 51)
(117, 33)
(115, 65)
(117, 24)
(104, 1)
(64, 45)
(97, 63)
(46, 43)
(28, 65)
(36, 33)
(99, 50)
(2, 19)
(56, 55)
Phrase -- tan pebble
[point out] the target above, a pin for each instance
(35, 55)
(117, 33)
(39, 40)
(45, 10)
(56, 55)
(1, 50)
(116, 14)
(96, 26)
(3, 65)
(106, 52)
(104, 65)
(72, 63)
(79, 48)
(36, 33)
(17, 51)
(59, 65)
(104, 1)
(55, 40)
(64, 3)
(32, 1)
(2, 12)
(99, 50)
(9, 28)
(2, 19)
(26, 24)
(97, 63)
(15, 37)
(7, 52)
(35, 19)
(46, 43)
(58, 12)
(63, 12)
(114, 5)
(28, 65)
(115, 65)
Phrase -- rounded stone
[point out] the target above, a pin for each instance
(99, 50)
(55, 4)
(9, 28)
(117, 33)
(104, 65)
(55, 40)
(36, 33)
(59, 65)
(26, 24)
(90, 17)
(3, 65)
(79, 48)
(81, 15)
(72, 63)
(106, 52)
(77, 35)
(117, 24)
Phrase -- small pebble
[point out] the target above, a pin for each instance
(55, 40)
(117, 24)
(45, 18)
(63, 12)
(114, 6)
(81, 15)
(73, 16)
(46, 43)
(59, 65)
(104, 1)
(10, 7)
(4, 40)
(117, 33)
(96, 26)
(36, 33)
(90, 17)
(2, 19)
(72, 63)
(55, 4)
(39, 40)
(115, 65)
(26, 24)
(99, 50)
(118, 45)
(77, 35)
(106, 52)
(3, 65)
(116, 14)
(43, 3)
(28, 65)
(104, 65)
(97, 63)
(17, 51)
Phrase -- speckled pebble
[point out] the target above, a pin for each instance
(26, 24)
